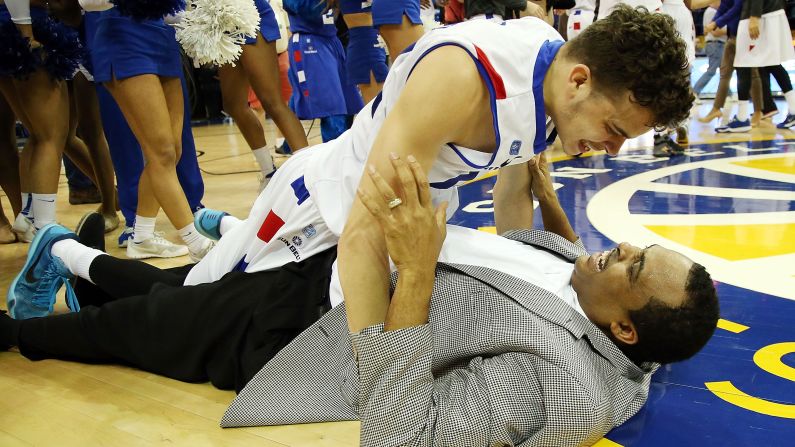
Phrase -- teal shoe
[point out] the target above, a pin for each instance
(32, 293)
(208, 222)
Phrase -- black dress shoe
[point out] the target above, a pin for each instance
(91, 231)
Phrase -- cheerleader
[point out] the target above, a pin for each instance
(9, 171)
(37, 55)
(258, 66)
(399, 23)
(138, 61)
(92, 147)
(365, 61)
(317, 71)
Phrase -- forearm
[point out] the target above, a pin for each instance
(411, 300)
(554, 218)
(364, 273)
(513, 203)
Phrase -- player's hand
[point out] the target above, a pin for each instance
(533, 10)
(413, 229)
(540, 180)
(753, 27)
(425, 4)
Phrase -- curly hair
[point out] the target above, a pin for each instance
(672, 334)
(639, 51)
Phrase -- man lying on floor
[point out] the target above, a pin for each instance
(522, 339)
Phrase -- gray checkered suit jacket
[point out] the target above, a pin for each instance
(501, 362)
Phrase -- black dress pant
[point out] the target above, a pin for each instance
(223, 331)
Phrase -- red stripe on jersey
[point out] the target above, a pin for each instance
(576, 26)
(269, 228)
(306, 92)
(496, 79)
(297, 56)
(750, 48)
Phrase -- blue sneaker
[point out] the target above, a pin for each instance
(32, 293)
(125, 236)
(735, 126)
(208, 222)
(788, 123)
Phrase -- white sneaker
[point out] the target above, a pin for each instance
(155, 247)
(197, 255)
(24, 229)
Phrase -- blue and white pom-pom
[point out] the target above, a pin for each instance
(148, 9)
(212, 31)
(63, 51)
(16, 59)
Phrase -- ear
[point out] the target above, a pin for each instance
(624, 331)
(579, 75)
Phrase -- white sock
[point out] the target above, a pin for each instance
(742, 110)
(76, 256)
(43, 209)
(227, 223)
(265, 159)
(27, 201)
(790, 97)
(144, 228)
(193, 239)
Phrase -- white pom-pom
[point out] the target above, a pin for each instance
(212, 31)
(429, 23)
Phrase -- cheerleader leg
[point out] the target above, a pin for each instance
(261, 65)
(9, 157)
(153, 115)
(43, 106)
(87, 110)
(234, 91)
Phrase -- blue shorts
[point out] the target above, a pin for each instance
(355, 6)
(268, 26)
(365, 56)
(391, 12)
(317, 75)
(125, 48)
(61, 45)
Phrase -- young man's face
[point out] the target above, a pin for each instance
(611, 284)
(589, 120)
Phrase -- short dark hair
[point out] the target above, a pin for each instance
(632, 49)
(672, 334)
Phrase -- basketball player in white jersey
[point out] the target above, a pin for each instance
(509, 87)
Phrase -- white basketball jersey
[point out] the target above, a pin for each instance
(585, 5)
(512, 57)
(304, 208)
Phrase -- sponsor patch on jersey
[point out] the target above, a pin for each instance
(309, 231)
(297, 241)
(515, 147)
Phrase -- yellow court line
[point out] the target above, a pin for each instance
(728, 392)
(731, 326)
(604, 442)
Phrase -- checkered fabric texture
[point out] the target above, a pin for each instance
(501, 362)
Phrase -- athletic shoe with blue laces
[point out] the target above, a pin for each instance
(788, 123)
(734, 126)
(32, 293)
(208, 222)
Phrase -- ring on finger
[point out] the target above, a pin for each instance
(394, 203)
